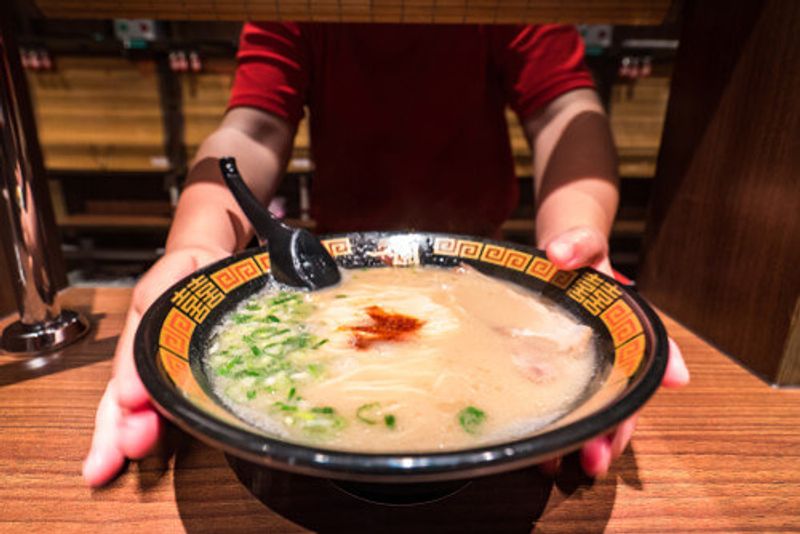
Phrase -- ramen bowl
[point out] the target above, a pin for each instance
(631, 346)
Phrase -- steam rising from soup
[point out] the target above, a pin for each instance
(401, 359)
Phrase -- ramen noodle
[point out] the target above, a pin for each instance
(401, 359)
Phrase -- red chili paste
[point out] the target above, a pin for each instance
(386, 326)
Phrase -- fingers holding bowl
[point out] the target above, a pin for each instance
(579, 247)
(598, 454)
(105, 458)
(126, 425)
(139, 432)
(677, 373)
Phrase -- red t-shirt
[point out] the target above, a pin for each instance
(407, 122)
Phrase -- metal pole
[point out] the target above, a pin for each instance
(43, 325)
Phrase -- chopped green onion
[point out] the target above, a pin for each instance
(263, 331)
(341, 296)
(367, 413)
(390, 421)
(268, 355)
(241, 318)
(315, 370)
(301, 341)
(322, 424)
(226, 368)
(470, 419)
(284, 297)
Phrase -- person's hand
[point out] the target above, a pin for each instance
(126, 424)
(581, 247)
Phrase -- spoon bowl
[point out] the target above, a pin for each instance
(297, 257)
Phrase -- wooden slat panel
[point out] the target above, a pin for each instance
(205, 96)
(127, 206)
(115, 223)
(103, 113)
(520, 149)
(637, 116)
(422, 11)
(99, 113)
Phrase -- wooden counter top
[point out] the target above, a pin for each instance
(722, 454)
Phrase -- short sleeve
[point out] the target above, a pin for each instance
(538, 64)
(272, 72)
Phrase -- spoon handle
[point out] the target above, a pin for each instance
(266, 225)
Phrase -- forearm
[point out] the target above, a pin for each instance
(574, 166)
(207, 215)
(587, 203)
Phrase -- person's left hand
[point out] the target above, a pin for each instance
(581, 247)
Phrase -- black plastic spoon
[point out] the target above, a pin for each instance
(297, 258)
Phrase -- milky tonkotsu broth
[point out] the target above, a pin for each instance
(485, 361)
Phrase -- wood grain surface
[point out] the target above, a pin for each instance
(720, 455)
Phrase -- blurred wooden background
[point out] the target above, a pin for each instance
(118, 123)
(103, 115)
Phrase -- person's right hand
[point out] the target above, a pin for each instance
(126, 425)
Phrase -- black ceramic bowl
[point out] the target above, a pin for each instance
(631, 343)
